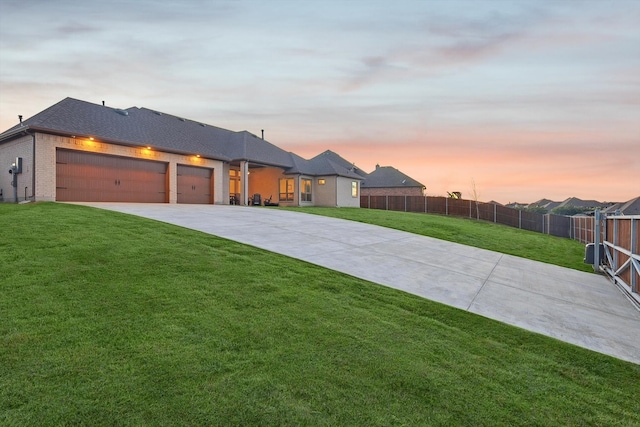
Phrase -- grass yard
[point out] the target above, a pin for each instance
(480, 234)
(110, 319)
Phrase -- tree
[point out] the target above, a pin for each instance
(476, 195)
(535, 209)
(569, 210)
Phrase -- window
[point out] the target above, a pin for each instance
(354, 188)
(305, 192)
(234, 181)
(286, 189)
(234, 186)
(321, 181)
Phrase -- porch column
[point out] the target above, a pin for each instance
(244, 182)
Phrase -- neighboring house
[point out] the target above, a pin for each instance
(549, 205)
(544, 203)
(79, 151)
(631, 207)
(389, 181)
(579, 203)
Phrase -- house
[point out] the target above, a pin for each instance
(389, 181)
(80, 151)
(545, 204)
(630, 207)
(579, 203)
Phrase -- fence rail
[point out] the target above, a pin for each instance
(622, 258)
(556, 225)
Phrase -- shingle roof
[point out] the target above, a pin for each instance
(133, 126)
(144, 127)
(389, 177)
(330, 163)
(574, 201)
(630, 207)
(331, 160)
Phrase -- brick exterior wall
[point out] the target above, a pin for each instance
(46, 164)
(20, 147)
(392, 191)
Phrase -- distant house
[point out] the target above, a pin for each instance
(544, 203)
(579, 203)
(631, 207)
(549, 205)
(79, 151)
(389, 181)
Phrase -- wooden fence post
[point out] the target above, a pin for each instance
(520, 219)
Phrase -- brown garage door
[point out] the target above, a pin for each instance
(195, 184)
(89, 177)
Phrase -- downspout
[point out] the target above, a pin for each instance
(33, 169)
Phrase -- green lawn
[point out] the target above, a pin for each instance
(110, 319)
(481, 234)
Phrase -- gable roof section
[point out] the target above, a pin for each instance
(327, 163)
(258, 150)
(145, 127)
(389, 177)
(133, 126)
(630, 207)
(141, 126)
(574, 201)
(330, 160)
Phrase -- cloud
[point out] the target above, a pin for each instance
(441, 90)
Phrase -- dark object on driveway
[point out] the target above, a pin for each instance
(256, 200)
(267, 202)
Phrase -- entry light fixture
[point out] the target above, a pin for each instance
(198, 155)
(91, 138)
(148, 147)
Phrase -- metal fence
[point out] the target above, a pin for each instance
(621, 252)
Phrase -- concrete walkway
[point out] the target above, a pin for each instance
(580, 308)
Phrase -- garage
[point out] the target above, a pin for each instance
(89, 177)
(195, 184)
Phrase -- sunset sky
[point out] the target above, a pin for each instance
(528, 99)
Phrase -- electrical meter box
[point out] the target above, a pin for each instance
(590, 253)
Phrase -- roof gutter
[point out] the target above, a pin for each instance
(33, 168)
(13, 133)
(109, 141)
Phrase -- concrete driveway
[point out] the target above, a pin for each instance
(580, 308)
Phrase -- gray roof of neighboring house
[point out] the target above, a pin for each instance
(144, 127)
(389, 177)
(631, 207)
(574, 201)
(545, 203)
